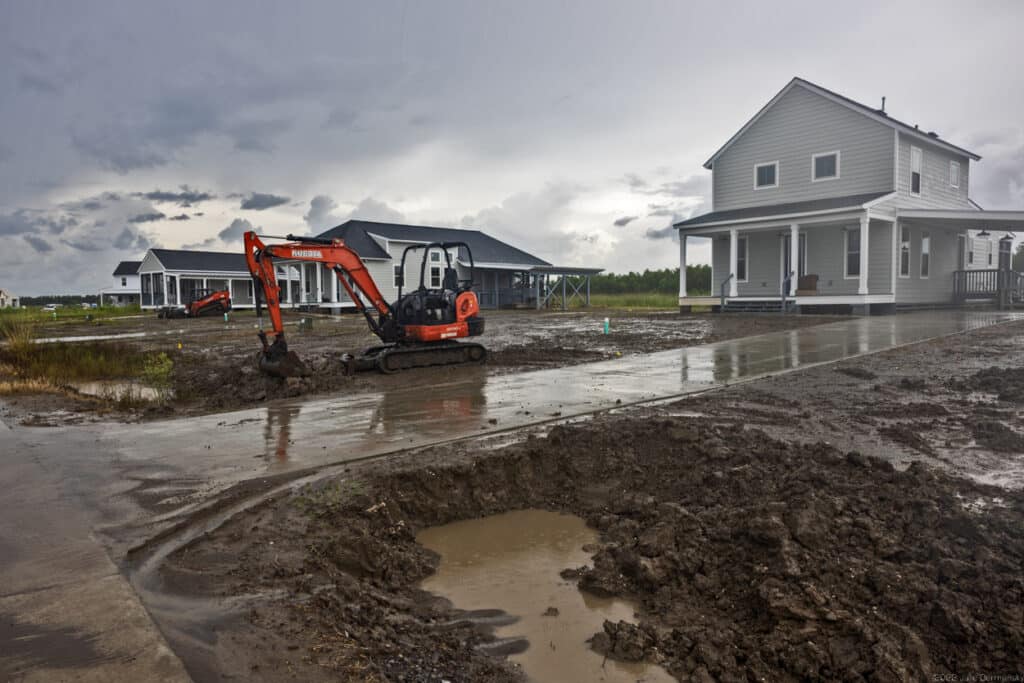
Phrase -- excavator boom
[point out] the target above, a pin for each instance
(417, 330)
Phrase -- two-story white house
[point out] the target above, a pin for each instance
(8, 300)
(124, 290)
(823, 203)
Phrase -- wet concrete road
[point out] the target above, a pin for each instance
(72, 481)
(301, 434)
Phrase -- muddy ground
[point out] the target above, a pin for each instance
(814, 526)
(215, 368)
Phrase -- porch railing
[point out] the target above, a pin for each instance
(1004, 286)
(785, 290)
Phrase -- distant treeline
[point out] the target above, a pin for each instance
(65, 299)
(666, 281)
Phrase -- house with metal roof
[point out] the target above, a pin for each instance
(124, 290)
(503, 275)
(821, 202)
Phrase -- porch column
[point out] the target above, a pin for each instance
(862, 285)
(734, 254)
(302, 283)
(682, 265)
(794, 256)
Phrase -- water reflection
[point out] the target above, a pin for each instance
(277, 432)
(437, 410)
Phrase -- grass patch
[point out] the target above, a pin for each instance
(635, 300)
(38, 315)
(30, 367)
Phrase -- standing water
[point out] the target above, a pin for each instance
(512, 562)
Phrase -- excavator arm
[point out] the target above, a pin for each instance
(347, 266)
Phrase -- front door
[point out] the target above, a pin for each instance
(787, 265)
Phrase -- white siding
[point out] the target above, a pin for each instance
(938, 286)
(936, 192)
(799, 125)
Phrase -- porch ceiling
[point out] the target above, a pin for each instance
(965, 220)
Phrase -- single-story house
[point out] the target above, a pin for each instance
(125, 289)
(169, 277)
(822, 202)
(8, 300)
(503, 275)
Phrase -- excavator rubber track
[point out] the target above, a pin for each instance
(394, 358)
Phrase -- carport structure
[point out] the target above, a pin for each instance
(561, 284)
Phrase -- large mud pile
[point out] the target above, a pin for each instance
(752, 559)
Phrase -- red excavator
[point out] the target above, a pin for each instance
(201, 302)
(419, 329)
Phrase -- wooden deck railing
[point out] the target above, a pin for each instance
(1004, 286)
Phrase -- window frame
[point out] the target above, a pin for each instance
(814, 166)
(762, 165)
(924, 265)
(435, 270)
(743, 254)
(846, 254)
(124, 281)
(396, 270)
(919, 171)
(904, 244)
(954, 165)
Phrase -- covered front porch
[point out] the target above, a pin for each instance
(824, 260)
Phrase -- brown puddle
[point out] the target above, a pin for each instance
(511, 562)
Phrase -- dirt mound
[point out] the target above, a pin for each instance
(752, 559)
(857, 372)
(1006, 383)
(997, 436)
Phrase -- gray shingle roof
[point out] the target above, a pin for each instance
(485, 248)
(853, 201)
(181, 259)
(127, 268)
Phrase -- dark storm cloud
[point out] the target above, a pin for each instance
(661, 233)
(180, 217)
(38, 243)
(624, 221)
(186, 197)
(341, 117)
(25, 221)
(131, 239)
(85, 245)
(321, 213)
(257, 136)
(147, 217)
(233, 233)
(259, 201)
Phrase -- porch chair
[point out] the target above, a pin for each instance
(807, 285)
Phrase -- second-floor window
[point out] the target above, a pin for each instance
(825, 166)
(916, 160)
(396, 275)
(124, 282)
(954, 173)
(766, 175)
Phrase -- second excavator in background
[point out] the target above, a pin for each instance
(419, 329)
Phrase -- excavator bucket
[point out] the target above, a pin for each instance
(275, 359)
(288, 365)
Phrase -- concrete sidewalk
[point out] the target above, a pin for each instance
(66, 612)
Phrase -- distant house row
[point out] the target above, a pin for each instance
(503, 275)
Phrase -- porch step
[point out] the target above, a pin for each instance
(766, 306)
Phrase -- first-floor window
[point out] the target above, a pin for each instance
(435, 277)
(926, 249)
(904, 252)
(741, 259)
(853, 253)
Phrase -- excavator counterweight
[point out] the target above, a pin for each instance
(419, 329)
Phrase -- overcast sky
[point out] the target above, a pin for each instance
(575, 130)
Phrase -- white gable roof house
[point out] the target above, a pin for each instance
(8, 300)
(823, 203)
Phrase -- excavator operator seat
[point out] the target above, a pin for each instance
(451, 279)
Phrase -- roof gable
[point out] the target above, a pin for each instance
(212, 261)
(486, 249)
(127, 268)
(863, 109)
